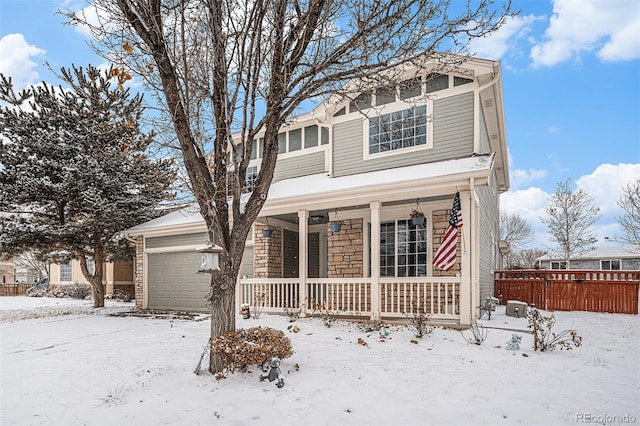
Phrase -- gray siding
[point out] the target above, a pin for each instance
(303, 165)
(489, 236)
(485, 145)
(246, 268)
(176, 240)
(452, 135)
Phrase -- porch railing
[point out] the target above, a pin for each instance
(397, 297)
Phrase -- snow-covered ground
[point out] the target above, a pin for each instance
(64, 363)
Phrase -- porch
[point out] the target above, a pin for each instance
(355, 297)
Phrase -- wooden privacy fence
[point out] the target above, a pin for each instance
(14, 289)
(571, 290)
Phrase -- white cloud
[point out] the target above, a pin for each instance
(610, 28)
(521, 177)
(16, 60)
(554, 130)
(606, 183)
(498, 43)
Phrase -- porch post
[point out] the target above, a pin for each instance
(466, 264)
(375, 259)
(303, 256)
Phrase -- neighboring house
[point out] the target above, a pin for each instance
(117, 275)
(365, 164)
(622, 258)
(11, 273)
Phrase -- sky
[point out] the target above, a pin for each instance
(571, 85)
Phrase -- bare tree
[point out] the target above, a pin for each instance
(231, 72)
(571, 215)
(629, 201)
(525, 258)
(33, 262)
(515, 230)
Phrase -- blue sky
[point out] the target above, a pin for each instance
(571, 83)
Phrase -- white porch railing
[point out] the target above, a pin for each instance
(437, 296)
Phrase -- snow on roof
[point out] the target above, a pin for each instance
(184, 216)
(321, 183)
(618, 252)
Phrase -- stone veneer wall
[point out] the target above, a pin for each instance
(345, 251)
(138, 271)
(440, 220)
(267, 253)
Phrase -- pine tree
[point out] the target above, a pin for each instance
(73, 170)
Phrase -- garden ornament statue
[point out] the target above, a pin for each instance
(274, 373)
(514, 344)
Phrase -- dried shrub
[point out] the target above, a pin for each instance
(123, 294)
(419, 321)
(252, 346)
(293, 313)
(478, 333)
(546, 340)
(259, 302)
(328, 317)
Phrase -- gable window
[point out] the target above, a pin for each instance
(410, 88)
(558, 265)
(437, 82)
(399, 129)
(611, 265)
(403, 249)
(66, 272)
(361, 102)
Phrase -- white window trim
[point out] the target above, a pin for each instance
(387, 109)
(610, 260)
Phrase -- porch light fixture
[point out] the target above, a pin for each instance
(210, 260)
(336, 226)
(317, 218)
(266, 232)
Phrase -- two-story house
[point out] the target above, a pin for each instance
(364, 164)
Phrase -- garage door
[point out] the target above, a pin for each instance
(174, 284)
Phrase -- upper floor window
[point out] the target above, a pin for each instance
(302, 138)
(249, 180)
(399, 129)
(611, 265)
(91, 266)
(66, 272)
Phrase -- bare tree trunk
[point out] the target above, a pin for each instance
(223, 315)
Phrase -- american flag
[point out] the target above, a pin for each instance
(445, 257)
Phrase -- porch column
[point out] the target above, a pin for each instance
(466, 264)
(375, 259)
(303, 258)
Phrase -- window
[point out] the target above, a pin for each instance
(385, 95)
(437, 82)
(459, 81)
(282, 143)
(249, 180)
(311, 136)
(66, 272)
(295, 140)
(324, 135)
(361, 102)
(403, 249)
(410, 88)
(397, 130)
(611, 265)
(558, 265)
(91, 266)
